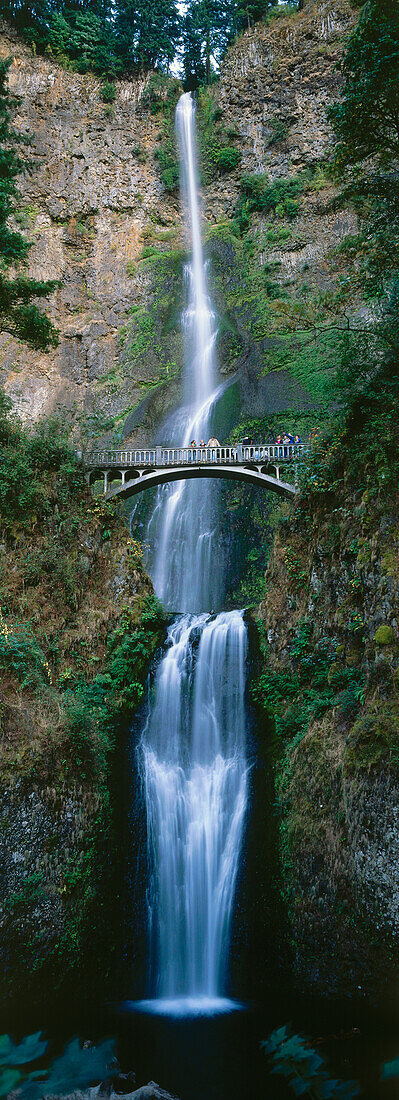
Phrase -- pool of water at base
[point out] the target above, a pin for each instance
(204, 1056)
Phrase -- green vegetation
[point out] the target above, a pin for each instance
(19, 314)
(161, 95)
(318, 677)
(136, 34)
(103, 38)
(329, 689)
(108, 92)
(208, 26)
(280, 198)
(293, 1057)
(77, 1068)
(279, 128)
(217, 154)
(153, 335)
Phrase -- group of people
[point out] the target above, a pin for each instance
(211, 443)
(283, 442)
(287, 439)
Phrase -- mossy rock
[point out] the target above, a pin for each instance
(384, 635)
(374, 738)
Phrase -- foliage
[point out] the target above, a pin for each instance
(95, 709)
(77, 1068)
(101, 37)
(216, 154)
(153, 330)
(293, 1058)
(318, 679)
(31, 466)
(279, 198)
(367, 118)
(20, 652)
(366, 123)
(19, 314)
(279, 130)
(161, 95)
(108, 92)
(168, 162)
(208, 26)
(147, 32)
(374, 737)
(111, 39)
(228, 158)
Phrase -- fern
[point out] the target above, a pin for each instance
(304, 1068)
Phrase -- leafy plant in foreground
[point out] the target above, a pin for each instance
(76, 1068)
(304, 1068)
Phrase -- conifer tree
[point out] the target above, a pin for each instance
(19, 314)
(147, 32)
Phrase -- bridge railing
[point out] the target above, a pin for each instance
(181, 456)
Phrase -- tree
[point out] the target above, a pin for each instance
(367, 119)
(19, 314)
(194, 71)
(248, 12)
(366, 123)
(208, 28)
(147, 32)
(207, 32)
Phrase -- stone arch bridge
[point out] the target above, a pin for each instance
(125, 473)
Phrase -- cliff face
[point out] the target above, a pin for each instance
(329, 623)
(78, 627)
(93, 187)
(94, 200)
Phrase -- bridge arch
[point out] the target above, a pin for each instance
(166, 475)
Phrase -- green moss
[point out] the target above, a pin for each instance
(384, 635)
(374, 737)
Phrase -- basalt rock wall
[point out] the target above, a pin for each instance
(93, 199)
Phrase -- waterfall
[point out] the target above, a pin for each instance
(192, 751)
(188, 565)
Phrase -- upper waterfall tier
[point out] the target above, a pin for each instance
(188, 558)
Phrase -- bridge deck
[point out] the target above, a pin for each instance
(174, 456)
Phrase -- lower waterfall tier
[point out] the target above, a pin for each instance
(195, 779)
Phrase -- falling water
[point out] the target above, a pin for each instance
(193, 745)
(188, 566)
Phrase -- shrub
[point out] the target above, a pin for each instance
(108, 93)
(228, 158)
(280, 197)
